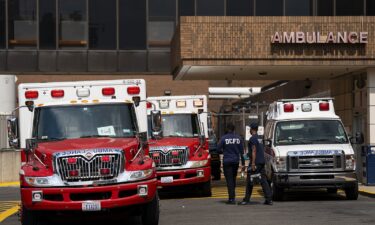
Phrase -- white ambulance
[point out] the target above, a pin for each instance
(181, 150)
(306, 146)
(85, 149)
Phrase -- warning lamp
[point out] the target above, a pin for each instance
(175, 153)
(198, 102)
(57, 93)
(108, 91)
(149, 105)
(164, 104)
(105, 171)
(72, 160)
(288, 107)
(176, 160)
(73, 173)
(134, 90)
(181, 104)
(31, 94)
(155, 154)
(106, 158)
(324, 106)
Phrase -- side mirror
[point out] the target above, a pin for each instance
(358, 139)
(156, 125)
(143, 138)
(202, 139)
(30, 106)
(268, 143)
(12, 124)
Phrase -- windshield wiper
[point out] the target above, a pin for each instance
(328, 140)
(50, 139)
(94, 136)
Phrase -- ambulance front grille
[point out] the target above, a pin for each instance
(173, 157)
(316, 163)
(78, 168)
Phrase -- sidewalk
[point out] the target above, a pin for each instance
(367, 190)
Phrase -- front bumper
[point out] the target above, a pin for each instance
(316, 180)
(71, 198)
(185, 176)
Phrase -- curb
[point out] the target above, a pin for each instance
(367, 193)
(10, 184)
(9, 213)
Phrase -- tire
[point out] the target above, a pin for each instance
(277, 192)
(332, 190)
(29, 217)
(352, 192)
(150, 212)
(206, 189)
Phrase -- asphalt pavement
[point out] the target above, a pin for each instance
(300, 207)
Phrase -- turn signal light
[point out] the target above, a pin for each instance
(324, 106)
(108, 91)
(288, 108)
(106, 158)
(57, 93)
(31, 94)
(134, 90)
(73, 173)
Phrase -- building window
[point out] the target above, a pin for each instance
(132, 24)
(349, 7)
(370, 5)
(102, 24)
(324, 8)
(161, 23)
(210, 7)
(269, 8)
(47, 24)
(2, 24)
(298, 7)
(72, 24)
(240, 7)
(186, 7)
(22, 23)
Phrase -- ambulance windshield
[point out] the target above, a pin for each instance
(180, 125)
(84, 121)
(310, 132)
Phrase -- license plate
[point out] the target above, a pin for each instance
(166, 180)
(91, 206)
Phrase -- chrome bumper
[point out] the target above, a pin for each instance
(316, 180)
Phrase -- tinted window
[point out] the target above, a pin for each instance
(240, 7)
(325, 7)
(102, 26)
(298, 7)
(161, 23)
(186, 7)
(370, 5)
(47, 24)
(210, 7)
(269, 8)
(132, 24)
(72, 24)
(2, 23)
(114, 120)
(349, 7)
(22, 23)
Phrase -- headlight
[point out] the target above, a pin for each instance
(280, 164)
(349, 162)
(140, 174)
(201, 163)
(37, 181)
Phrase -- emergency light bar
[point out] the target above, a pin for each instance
(180, 104)
(198, 102)
(31, 94)
(164, 104)
(133, 90)
(57, 93)
(108, 91)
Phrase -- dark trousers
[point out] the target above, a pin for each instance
(263, 181)
(230, 173)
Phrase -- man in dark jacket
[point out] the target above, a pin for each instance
(256, 168)
(231, 145)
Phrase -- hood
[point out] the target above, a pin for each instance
(284, 149)
(191, 143)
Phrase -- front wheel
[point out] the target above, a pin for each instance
(206, 189)
(352, 192)
(29, 217)
(150, 212)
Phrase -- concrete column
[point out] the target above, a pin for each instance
(371, 106)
